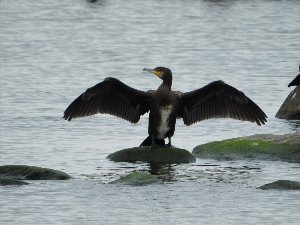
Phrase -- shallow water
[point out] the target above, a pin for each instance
(51, 51)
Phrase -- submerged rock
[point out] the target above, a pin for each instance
(10, 181)
(137, 178)
(290, 109)
(24, 172)
(260, 146)
(159, 155)
(282, 185)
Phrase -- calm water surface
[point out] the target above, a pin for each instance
(51, 51)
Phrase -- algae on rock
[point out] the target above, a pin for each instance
(159, 155)
(137, 178)
(263, 147)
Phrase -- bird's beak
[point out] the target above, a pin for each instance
(155, 72)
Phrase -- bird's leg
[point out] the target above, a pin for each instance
(169, 144)
(153, 144)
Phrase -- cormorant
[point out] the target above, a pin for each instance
(296, 81)
(215, 100)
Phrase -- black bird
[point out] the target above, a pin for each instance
(215, 100)
(296, 81)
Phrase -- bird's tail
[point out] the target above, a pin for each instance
(148, 141)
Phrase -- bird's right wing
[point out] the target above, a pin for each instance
(113, 97)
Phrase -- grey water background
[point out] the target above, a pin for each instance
(51, 51)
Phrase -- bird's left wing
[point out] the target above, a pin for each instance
(113, 97)
(218, 100)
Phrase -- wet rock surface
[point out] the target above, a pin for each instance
(159, 155)
(17, 173)
(10, 181)
(282, 185)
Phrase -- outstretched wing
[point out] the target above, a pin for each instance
(113, 97)
(218, 100)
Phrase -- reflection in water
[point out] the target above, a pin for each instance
(96, 2)
(164, 171)
(200, 172)
(221, 2)
(295, 124)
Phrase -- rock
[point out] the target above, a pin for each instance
(159, 155)
(137, 178)
(24, 172)
(260, 146)
(290, 109)
(9, 181)
(282, 185)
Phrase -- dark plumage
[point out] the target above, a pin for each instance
(296, 81)
(215, 100)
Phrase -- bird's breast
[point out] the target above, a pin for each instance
(163, 126)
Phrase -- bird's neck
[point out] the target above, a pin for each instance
(166, 86)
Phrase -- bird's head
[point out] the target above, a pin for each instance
(164, 73)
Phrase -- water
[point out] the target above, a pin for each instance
(51, 51)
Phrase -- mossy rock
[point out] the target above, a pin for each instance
(262, 147)
(158, 155)
(10, 181)
(137, 178)
(282, 185)
(23, 172)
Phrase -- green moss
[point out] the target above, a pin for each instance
(24, 172)
(137, 178)
(159, 155)
(245, 148)
(282, 185)
(9, 181)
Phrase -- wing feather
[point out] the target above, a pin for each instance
(113, 97)
(218, 100)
